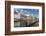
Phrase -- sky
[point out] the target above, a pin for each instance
(34, 12)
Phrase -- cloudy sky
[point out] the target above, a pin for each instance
(34, 12)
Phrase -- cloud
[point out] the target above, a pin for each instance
(28, 12)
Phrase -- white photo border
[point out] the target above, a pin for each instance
(25, 28)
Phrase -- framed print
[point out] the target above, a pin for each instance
(24, 17)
